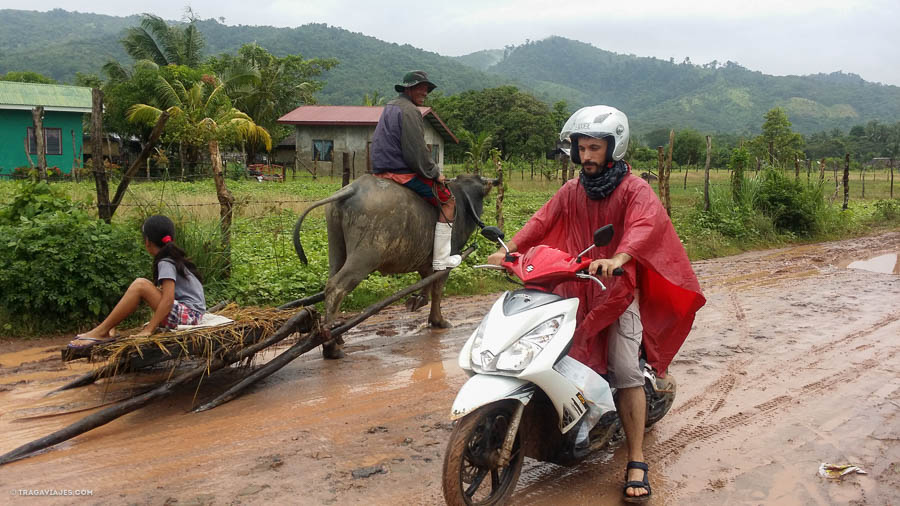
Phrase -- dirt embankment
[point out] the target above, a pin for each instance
(794, 361)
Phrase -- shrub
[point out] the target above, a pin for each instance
(887, 210)
(792, 207)
(59, 267)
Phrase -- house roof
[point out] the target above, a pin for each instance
(355, 115)
(54, 97)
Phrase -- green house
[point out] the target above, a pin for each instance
(64, 109)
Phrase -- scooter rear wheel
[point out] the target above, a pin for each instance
(472, 474)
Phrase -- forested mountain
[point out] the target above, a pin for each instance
(712, 97)
(655, 93)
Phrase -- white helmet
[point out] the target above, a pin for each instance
(597, 121)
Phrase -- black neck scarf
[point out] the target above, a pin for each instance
(599, 186)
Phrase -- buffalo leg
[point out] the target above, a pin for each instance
(337, 287)
(419, 299)
(435, 318)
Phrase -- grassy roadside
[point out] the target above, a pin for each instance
(266, 270)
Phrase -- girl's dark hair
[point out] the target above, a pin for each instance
(160, 231)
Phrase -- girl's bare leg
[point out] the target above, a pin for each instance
(140, 289)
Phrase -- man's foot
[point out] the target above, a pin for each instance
(637, 486)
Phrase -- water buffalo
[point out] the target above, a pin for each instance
(378, 225)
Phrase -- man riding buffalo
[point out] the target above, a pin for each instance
(399, 153)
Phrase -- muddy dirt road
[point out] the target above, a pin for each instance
(794, 361)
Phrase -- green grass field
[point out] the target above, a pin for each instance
(266, 270)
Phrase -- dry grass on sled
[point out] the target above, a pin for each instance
(250, 325)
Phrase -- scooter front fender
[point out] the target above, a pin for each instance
(483, 389)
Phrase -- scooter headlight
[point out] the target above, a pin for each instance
(520, 355)
(476, 355)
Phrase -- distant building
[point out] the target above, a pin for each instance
(64, 109)
(324, 132)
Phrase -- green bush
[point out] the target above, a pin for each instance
(887, 210)
(792, 207)
(59, 267)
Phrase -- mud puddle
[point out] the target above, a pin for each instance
(887, 263)
(793, 362)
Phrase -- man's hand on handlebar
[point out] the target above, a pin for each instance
(496, 258)
(604, 266)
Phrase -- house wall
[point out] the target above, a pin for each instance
(13, 125)
(346, 139)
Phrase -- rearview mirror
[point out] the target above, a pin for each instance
(603, 235)
(492, 233)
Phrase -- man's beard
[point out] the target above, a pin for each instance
(592, 168)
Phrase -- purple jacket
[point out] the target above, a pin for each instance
(398, 144)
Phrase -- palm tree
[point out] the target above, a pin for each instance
(155, 42)
(203, 114)
(479, 147)
(164, 45)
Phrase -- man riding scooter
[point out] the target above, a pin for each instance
(651, 307)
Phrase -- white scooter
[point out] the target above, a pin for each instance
(525, 395)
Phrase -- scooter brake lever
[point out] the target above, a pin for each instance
(592, 278)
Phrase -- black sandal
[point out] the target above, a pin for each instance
(644, 484)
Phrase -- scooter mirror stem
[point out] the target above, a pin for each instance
(583, 253)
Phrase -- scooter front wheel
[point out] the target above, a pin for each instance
(473, 474)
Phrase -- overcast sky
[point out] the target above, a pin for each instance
(777, 37)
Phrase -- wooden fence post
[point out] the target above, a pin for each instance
(660, 168)
(706, 177)
(345, 179)
(100, 182)
(667, 202)
(862, 171)
(37, 116)
(892, 177)
(75, 161)
(499, 164)
(846, 181)
(822, 171)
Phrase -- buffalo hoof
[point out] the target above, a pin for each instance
(416, 302)
(440, 324)
(332, 351)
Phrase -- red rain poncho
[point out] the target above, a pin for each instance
(669, 292)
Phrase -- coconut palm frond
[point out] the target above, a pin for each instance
(192, 45)
(115, 72)
(143, 113)
(167, 93)
(251, 132)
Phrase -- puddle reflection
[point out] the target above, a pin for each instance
(884, 264)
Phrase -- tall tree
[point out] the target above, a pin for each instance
(777, 141)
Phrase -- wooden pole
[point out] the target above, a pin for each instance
(345, 179)
(706, 202)
(892, 177)
(226, 204)
(796, 169)
(822, 171)
(37, 116)
(100, 182)
(667, 202)
(846, 181)
(368, 157)
(28, 153)
(499, 164)
(75, 161)
(862, 172)
(684, 186)
(660, 168)
(106, 415)
(136, 164)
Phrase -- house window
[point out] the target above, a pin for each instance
(52, 141)
(436, 153)
(322, 150)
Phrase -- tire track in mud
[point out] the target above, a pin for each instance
(713, 397)
(821, 351)
(763, 412)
